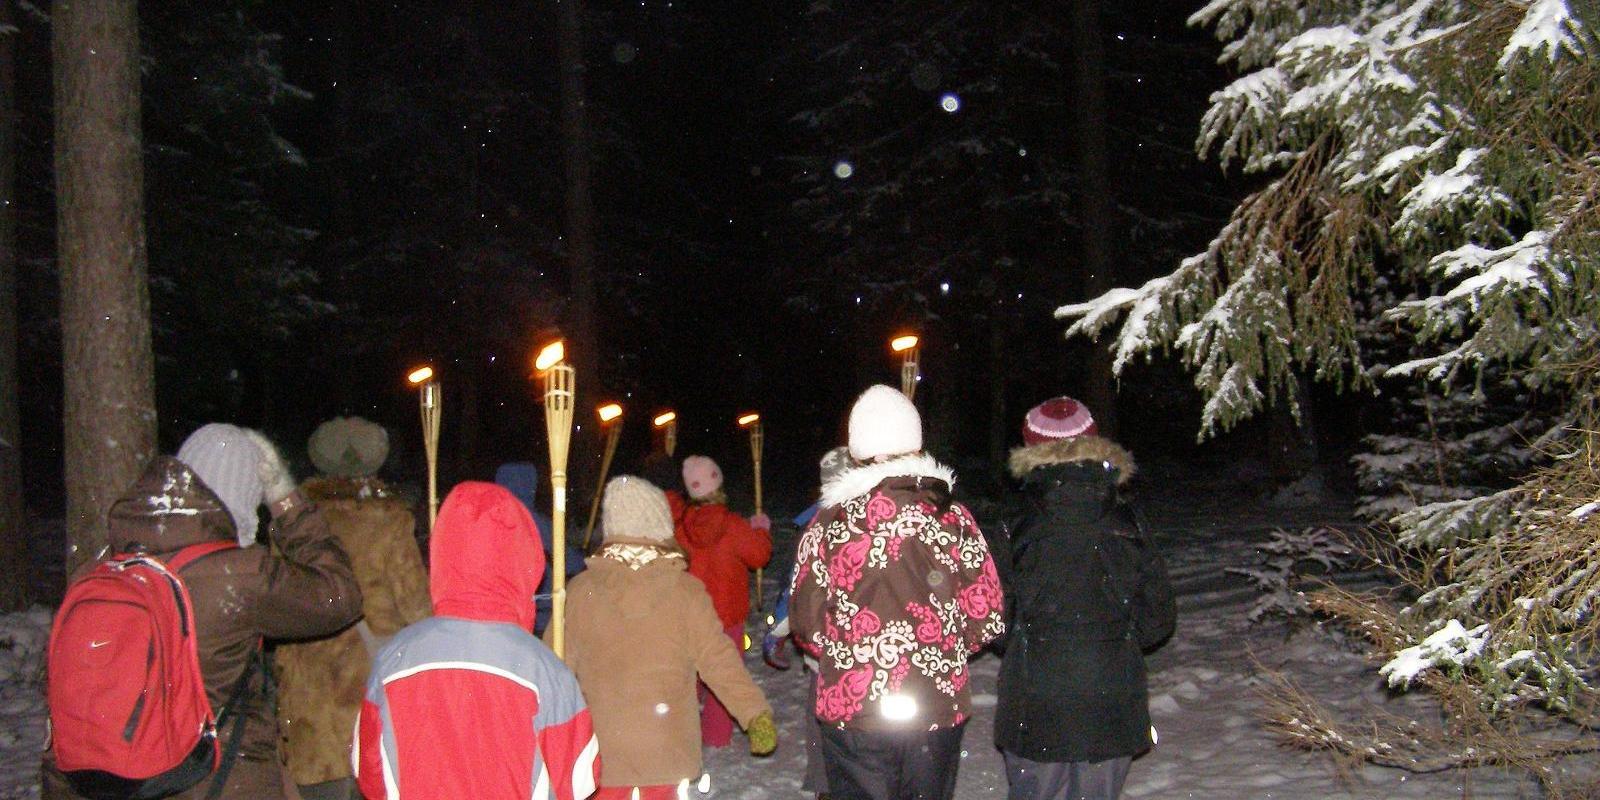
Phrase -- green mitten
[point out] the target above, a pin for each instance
(763, 735)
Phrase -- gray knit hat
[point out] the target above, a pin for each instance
(227, 462)
(634, 508)
(834, 462)
(348, 447)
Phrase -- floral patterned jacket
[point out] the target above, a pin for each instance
(893, 589)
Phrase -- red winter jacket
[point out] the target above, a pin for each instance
(469, 703)
(722, 549)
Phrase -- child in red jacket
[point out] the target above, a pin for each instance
(723, 548)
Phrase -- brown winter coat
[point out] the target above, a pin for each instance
(321, 682)
(639, 631)
(240, 596)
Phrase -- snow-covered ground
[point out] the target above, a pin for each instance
(22, 727)
(1204, 686)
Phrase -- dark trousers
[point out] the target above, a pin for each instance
(910, 765)
(1065, 780)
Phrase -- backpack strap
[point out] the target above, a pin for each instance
(230, 752)
(195, 552)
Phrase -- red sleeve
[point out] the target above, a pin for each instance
(751, 544)
(368, 756)
(571, 756)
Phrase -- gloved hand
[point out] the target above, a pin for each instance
(763, 735)
(276, 482)
(761, 522)
(772, 651)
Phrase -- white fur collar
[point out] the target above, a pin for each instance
(859, 480)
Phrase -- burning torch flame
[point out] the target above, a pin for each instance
(420, 375)
(552, 354)
(749, 419)
(610, 411)
(900, 344)
(664, 418)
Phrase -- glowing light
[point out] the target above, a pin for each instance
(749, 419)
(664, 418)
(898, 707)
(950, 103)
(420, 375)
(662, 709)
(552, 354)
(900, 344)
(944, 288)
(609, 411)
(747, 641)
(704, 786)
(843, 170)
(771, 619)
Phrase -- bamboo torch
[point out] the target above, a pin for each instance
(906, 346)
(559, 391)
(428, 390)
(667, 422)
(611, 422)
(752, 421)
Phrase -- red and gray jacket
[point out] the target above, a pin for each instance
(468, 703)
(893, 589)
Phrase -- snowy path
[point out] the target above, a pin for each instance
(1203, 687)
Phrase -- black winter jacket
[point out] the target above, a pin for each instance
(1085, 596)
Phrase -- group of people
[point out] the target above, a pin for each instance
(393, 679)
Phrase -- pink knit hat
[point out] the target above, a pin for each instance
(1057, 418)
(701, 476)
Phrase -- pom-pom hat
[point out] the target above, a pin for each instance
(1055, 419)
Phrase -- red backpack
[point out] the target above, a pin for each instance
(128, 710)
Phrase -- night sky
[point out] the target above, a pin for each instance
(338, 192)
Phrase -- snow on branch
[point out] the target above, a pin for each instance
(1547, 29)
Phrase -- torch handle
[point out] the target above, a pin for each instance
(558, 567)
(600, 487)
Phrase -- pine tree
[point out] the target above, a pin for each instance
(1429, 225)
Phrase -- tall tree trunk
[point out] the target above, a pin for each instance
(109, 402)
(1094, 196)
(582, 336)
(13, 547)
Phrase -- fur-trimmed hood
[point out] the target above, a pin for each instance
(1078, 449)
(859, 479)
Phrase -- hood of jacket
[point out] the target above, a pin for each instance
(485, 557)
(857, 480)
(521, 479)
(701, 524)
(167, 508)
(1082, 472)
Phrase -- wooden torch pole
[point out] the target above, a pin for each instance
(559, 392)
(613, 425)
(432, 403)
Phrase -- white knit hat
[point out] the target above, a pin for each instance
(227, 462)
(883, 422)
(634, 508)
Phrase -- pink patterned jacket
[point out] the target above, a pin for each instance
(893, 589)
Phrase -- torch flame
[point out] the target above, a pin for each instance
(610, 411)
(419, 375)
(749, 419)
(551, 355)
(665, 417)
(900, 344)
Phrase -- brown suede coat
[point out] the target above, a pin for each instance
(640, 629)
(240, 596)
(320, 683)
